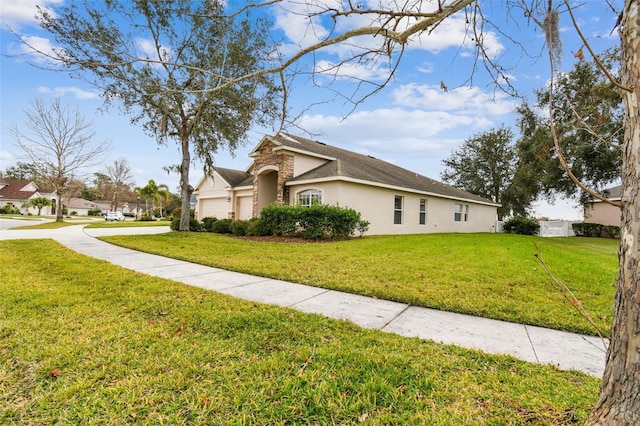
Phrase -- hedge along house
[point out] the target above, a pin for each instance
(294, 170)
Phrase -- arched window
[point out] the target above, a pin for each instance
(309, 197)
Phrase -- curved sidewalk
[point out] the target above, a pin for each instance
(565, 350)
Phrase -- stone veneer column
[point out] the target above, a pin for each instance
(283, 162)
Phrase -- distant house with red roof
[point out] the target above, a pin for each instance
(16, 192)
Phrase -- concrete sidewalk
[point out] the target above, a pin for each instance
(535, 344)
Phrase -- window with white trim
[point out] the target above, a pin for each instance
(423, 212)
(461, 213)
(397, 210)
(309, 197)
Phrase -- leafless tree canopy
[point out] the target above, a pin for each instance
(58, 140)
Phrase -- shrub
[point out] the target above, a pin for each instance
(278, 219)
(9, 209)
(94, 212)
(146, 219)
(363, 226)
(596, 230)
(207, 223)
(221, 226)
(73, 213)
(255, 228)
(239, 227)
(313, 222)
(522, 226)
(194, 225)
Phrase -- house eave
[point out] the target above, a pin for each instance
(386, 186)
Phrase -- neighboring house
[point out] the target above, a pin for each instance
(597, 211)
(16, 192)
(81, 206)
(290, 170)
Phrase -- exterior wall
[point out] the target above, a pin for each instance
(304, 163)
(212, 198)
(603, 213)
(377, 206)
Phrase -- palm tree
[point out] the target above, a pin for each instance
(162, 196)
(154, 193)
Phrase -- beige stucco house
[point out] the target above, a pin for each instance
(597, 211)
(17, 191)
(291, 169)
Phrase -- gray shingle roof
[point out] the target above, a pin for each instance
(235, 178)
(361, 167)
(613, 193)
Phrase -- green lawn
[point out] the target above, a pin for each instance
(86, 342)
(490, 275)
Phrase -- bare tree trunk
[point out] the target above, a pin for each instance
(185, 189)
(619, 402)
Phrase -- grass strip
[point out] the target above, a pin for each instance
(489, 275)
(86, 342)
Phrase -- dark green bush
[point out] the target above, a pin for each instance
(255, 228)
(221, 226)
(194, 225)
(207, 223)
(278, 219)
(8, 209)
(146, 219)
(596, 230)
(522, 226)
(314, 222)
(94, 212)
(239, 227)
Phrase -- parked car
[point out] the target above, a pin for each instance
(114, 216)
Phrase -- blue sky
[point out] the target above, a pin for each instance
(412, 123)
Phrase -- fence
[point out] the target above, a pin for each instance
(557, 228)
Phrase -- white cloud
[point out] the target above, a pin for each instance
(373, 72)
(31, 47)
(148, 48)
(77, 92)
(15, 13)
(470, 100)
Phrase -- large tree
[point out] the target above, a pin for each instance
(58, 141)
(587, 113)
(486, 165)
(120, 179)
(176, 67)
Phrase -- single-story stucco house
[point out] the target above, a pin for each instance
(81, 206)
(18, 191)
(597, 211)
(294, 170)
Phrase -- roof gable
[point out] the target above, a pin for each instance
(17, 189)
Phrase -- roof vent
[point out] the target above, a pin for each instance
(321, 143)
(371, 156)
